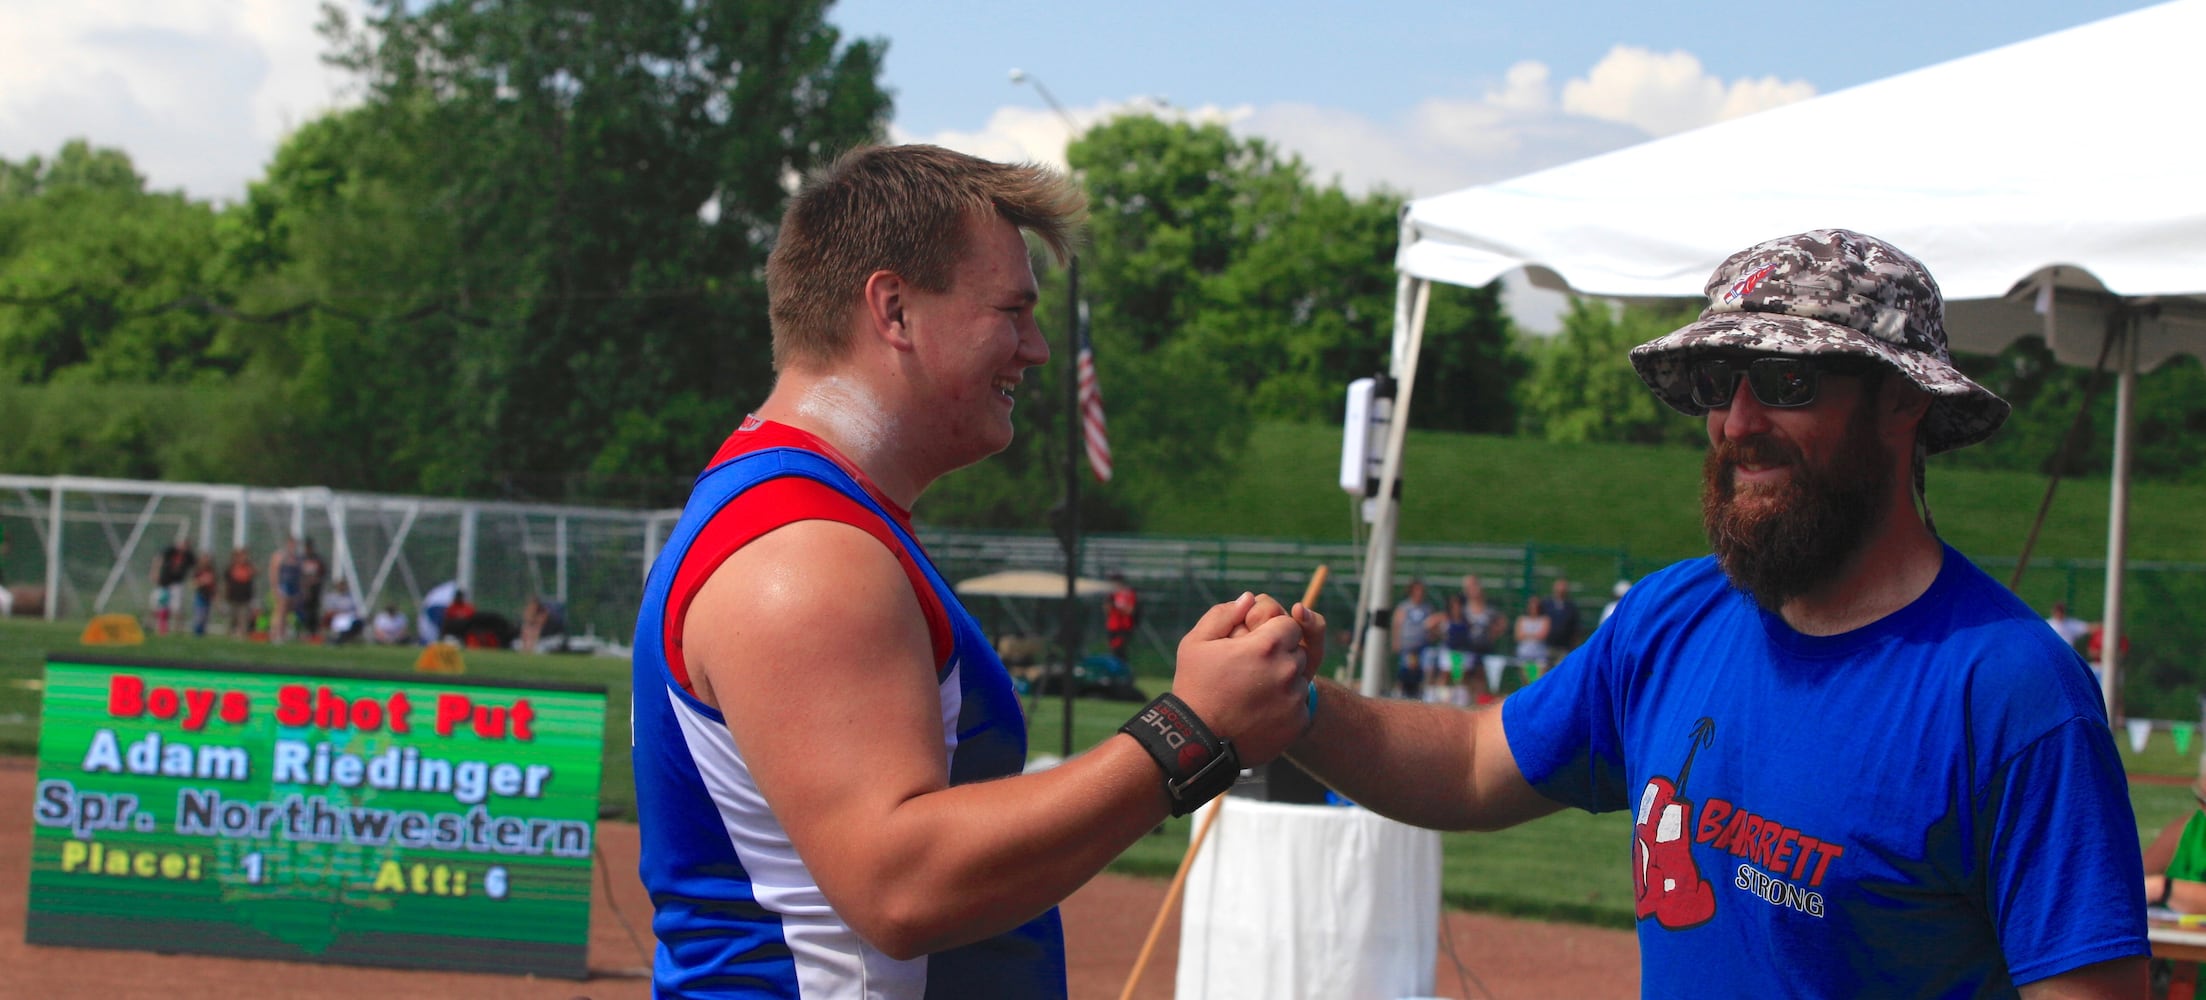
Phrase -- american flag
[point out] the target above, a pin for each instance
(1091, 406)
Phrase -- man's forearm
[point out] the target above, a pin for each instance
(968, 862)
(1417, 763)
(1401, 760)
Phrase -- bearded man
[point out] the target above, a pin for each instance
(1860, 766)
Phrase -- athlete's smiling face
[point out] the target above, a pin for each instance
(976, 339)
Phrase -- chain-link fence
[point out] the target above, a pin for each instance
(1180, 578)
(72, 547)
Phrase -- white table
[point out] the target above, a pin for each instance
(1325, 902)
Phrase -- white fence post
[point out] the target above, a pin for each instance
(53, 553)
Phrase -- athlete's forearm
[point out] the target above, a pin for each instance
(965, 863)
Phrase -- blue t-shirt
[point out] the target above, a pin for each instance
(1930, 805)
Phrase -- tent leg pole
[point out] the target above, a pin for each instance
(2117, 522)
(1378, 574)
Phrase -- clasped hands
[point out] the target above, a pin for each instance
(1246, 669)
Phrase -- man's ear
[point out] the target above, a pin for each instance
(886, 295)
(1904, 402)
(1912, 400)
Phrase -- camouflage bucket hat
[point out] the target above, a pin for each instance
(1829, 291)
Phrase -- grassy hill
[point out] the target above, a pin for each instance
(1644, 501)
(1480, 488)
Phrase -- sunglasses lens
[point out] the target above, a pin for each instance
(1712, 384)
(1783, 381)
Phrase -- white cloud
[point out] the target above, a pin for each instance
(1670, 92)
(1519, 124)
(198, 92)
(1038, 135)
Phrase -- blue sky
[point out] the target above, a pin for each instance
(1420, 97)
(1416, 96)
(948, 61)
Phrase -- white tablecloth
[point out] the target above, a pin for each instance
(1309, 901)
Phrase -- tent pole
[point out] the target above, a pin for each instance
(2117, 520)
(1378, 573)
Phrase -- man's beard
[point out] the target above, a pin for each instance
(1787, 540)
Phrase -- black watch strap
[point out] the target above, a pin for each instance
(1198, 766)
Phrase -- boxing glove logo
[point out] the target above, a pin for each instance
(1668, 884)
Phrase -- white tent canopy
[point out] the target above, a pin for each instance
(2053, 187)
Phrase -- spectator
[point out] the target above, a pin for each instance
(430, 626)
(1562, 620)
(534, 616)
(458, 615)
(237, 593)
(389, 628)
(2094, 651)
(2175, 861)
(1411, 636)
(283, 574)
(1487, 625)
(341, 614)
(313, 575)
(1533, 629)
(1121, 614)
(204, 579)
(1450, 651)
(1616, 594)
(171, 570)
(2071, 630)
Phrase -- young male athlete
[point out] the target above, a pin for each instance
(1860, 767)
(827, 751)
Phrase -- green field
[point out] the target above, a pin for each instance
(1459, 488)
(1570, 866)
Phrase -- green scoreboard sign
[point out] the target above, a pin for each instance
(375, 820)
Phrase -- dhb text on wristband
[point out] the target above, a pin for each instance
(1197, 765)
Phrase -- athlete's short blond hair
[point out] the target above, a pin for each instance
(902, 209)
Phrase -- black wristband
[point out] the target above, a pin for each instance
(1198, 766)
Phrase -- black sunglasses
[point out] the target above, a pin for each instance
(1778, 380)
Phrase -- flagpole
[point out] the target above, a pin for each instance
(1075, 442)
(1073, 449)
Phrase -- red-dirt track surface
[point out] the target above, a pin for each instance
(1105, 924)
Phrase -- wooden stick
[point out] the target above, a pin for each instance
(1171, 896)
(1317, 586)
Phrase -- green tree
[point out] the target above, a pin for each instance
(543, 234)
(2170, 438)
(92, 270)
(1226, 286)
(1584, 389)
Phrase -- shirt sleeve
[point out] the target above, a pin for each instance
(2063, 864)
(1565, 729)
